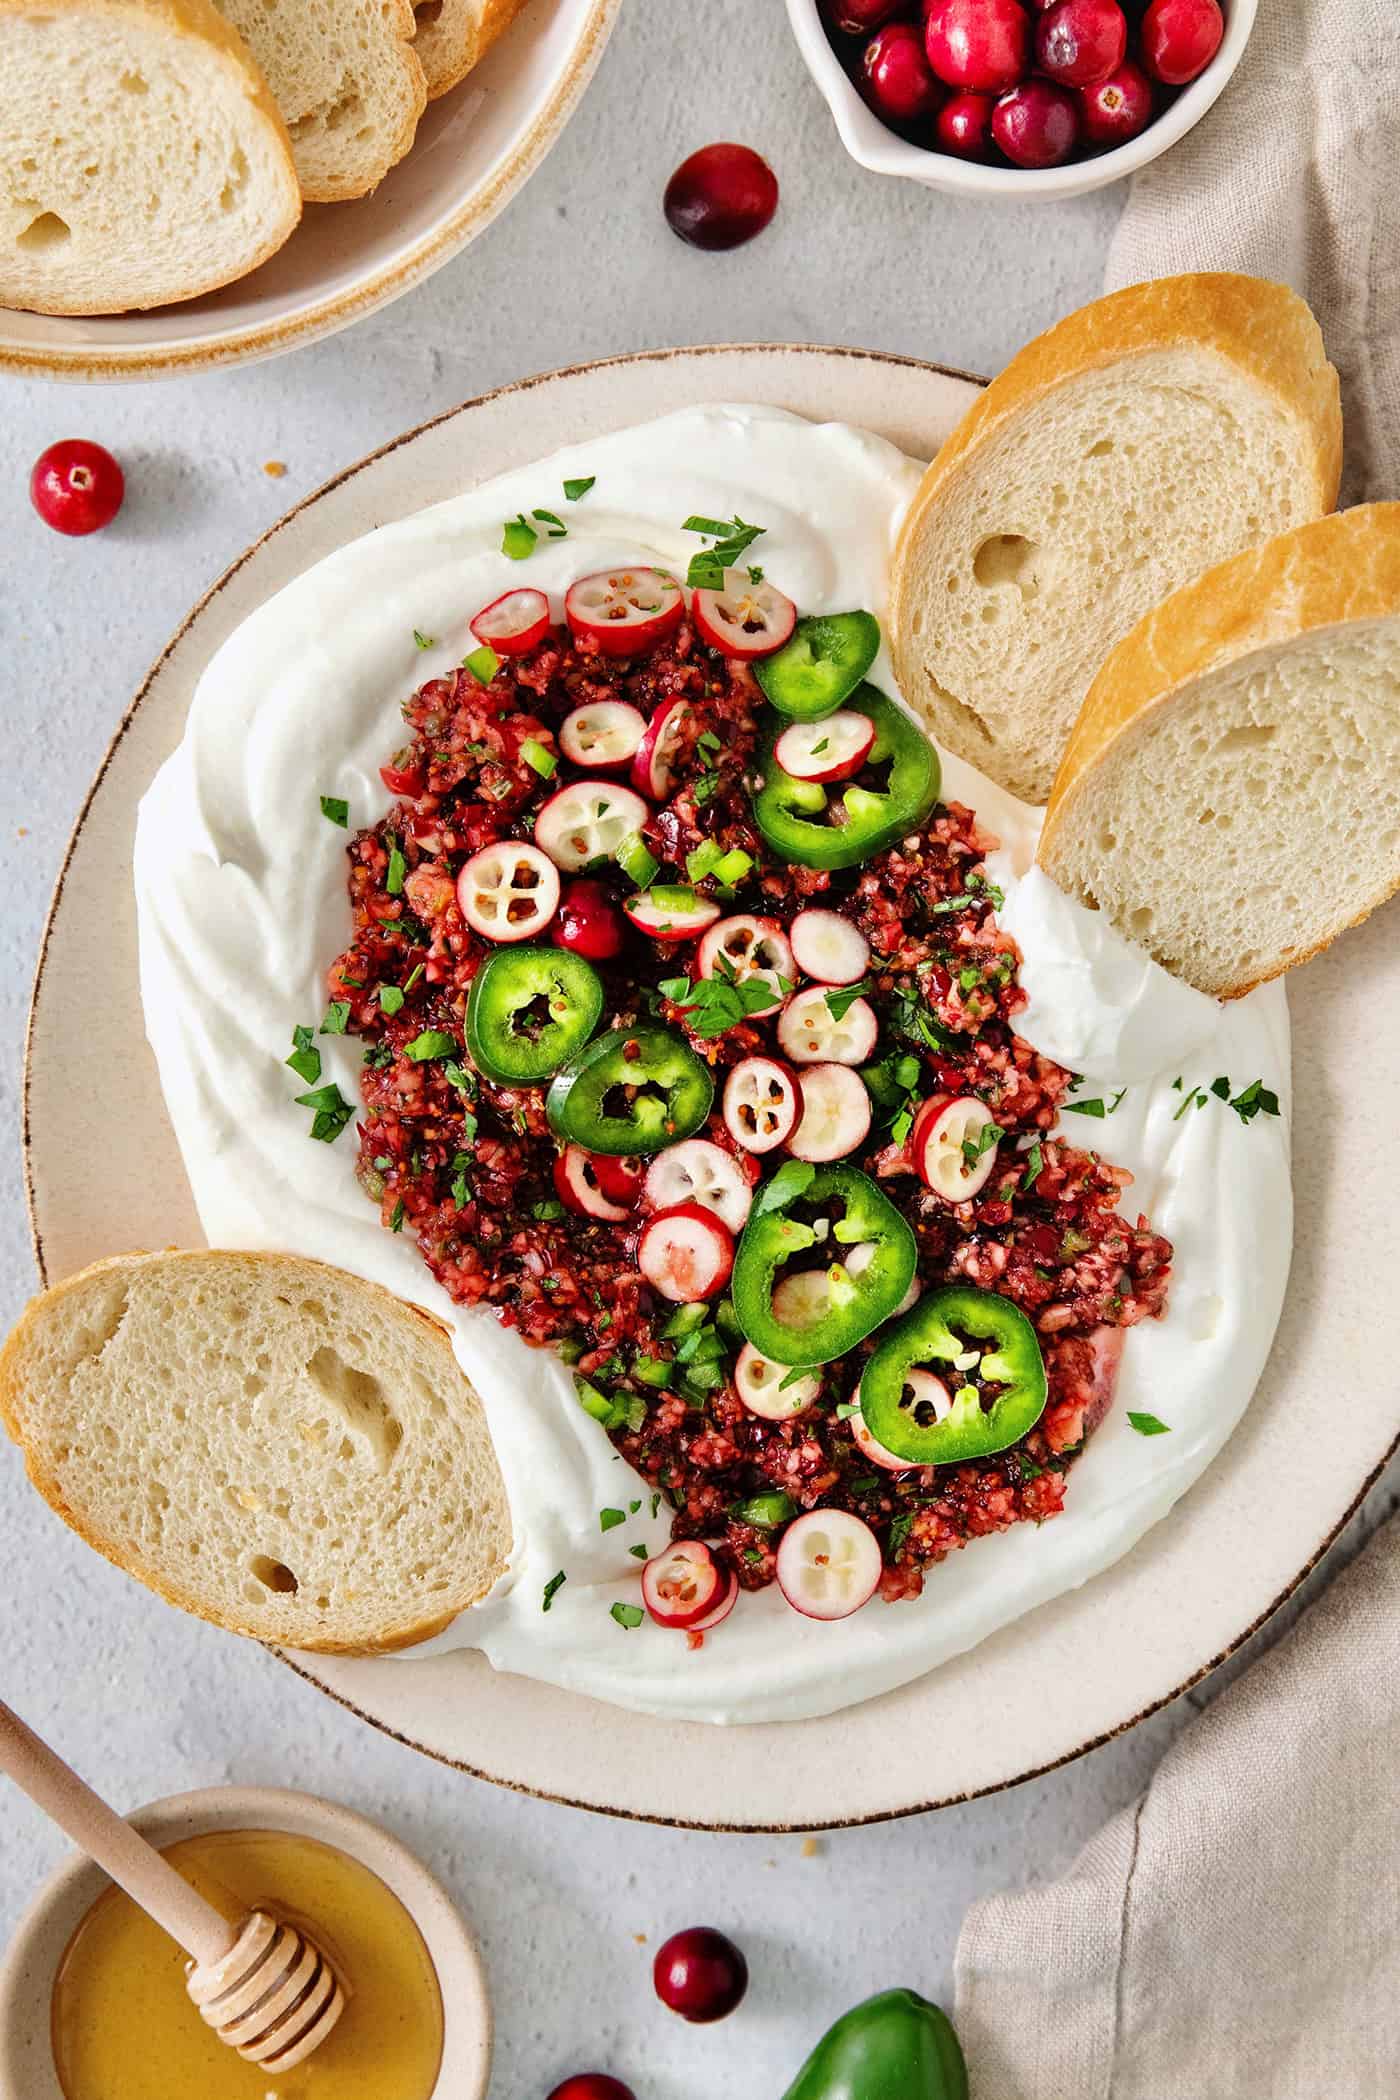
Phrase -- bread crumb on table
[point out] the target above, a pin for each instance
(275, 467)
(811, 1848)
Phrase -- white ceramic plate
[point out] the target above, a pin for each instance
(474, 149)
(104, 1174)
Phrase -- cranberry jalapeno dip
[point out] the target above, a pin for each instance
(691, 1053)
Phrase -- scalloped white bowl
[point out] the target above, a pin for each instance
(884, 152)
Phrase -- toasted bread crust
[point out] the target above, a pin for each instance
(119, 1552)
(1325, 574)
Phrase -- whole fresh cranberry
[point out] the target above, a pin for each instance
(860, 17)
(978, 44)
(964, 126)
(588, 923)
(898, 83)
(700, 1974)
(1080, 41)
(722, 196)
(1180, 38)
(592, 2085)
(1115, 110)
(76, 487)
(1037, 124)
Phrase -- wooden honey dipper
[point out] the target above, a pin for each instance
(263, 1986)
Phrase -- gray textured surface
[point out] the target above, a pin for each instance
(147, 1703)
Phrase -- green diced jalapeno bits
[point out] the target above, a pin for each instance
(633, 1090)
(996, 1398)
(823, 661)
(839, 828)
(815, 1312)
(528, 1011)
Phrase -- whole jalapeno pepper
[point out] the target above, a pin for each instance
(892, 2047)
(802, 822)
(984, 1349)
(812, 1315)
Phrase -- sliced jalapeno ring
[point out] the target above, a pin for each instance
(528, 1011)
(996, 1400)
(812, 1314)
(803, 822)
(633, 1090)
(823, 661)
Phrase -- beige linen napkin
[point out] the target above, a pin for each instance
(1295, 175)
(1234, 1936)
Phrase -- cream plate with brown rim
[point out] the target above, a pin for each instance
(474, 149)
(1059, 1681)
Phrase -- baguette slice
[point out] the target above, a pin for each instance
(455, 35)
(346, 80)
(268, 1442)
(1230, 796)
(1140, 441)
(142, 159)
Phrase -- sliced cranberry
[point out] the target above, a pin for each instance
(1180, 38)
(898, 80)
(683, 1584)
(577, 1186)
(979, 44)
(588, 923)
(76, 487)
(1080, 41)
(722, 196)
(621, 1178)
(1115, 110)
(700, 1974)
(621, 612)
(513, 624)
(1037, 124)
(685, 1253)
(964, 126)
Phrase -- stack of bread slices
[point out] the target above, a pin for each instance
(153, 150)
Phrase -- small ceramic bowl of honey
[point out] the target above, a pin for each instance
(92, 1994)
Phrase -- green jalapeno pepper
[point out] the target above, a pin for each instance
(985, 1351)
(824, 659)
(893, 2047)
(632, 1090)
(802, 823)
(812, 1315)
(528, 1011)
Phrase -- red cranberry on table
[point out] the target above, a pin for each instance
(964, 126)
(700, 1974)
(588, 923)
(978, 44)
(898, 82)
(1036, 124)
(860, 17)
(76, 487)
(592, 2085)
(1080, 41)
(1115, 110)
(722, 196)
(1180, 38)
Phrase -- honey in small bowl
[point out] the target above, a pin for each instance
(124, 2027)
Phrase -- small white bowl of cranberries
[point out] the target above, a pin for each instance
(1018, 98)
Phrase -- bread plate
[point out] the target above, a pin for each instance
(1045, 1690)
(473, 150)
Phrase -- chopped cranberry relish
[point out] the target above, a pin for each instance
(467, 1165)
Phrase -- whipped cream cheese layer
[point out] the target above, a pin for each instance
(241, 891)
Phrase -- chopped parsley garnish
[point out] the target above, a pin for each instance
(628, 1616)
(575, 489)
(431, 1043)
(847, 1409)
(397, 869)
(305, 1059)
(609, 1519)
(518, 538)
(842, 998)
(552, 1589)
(483, 663)
(539, 758)
(899, 1532)
(1148, 1425)
(424, 641)
(1254, 1100)
(819, 748)
(793, 1179)
(714, 1004)
(732, 539)
(1035, 1160)
(557, 529)
(330, 1112)
(396, 1217)
(1084, 1108)
(390, 999)
(465, 1082)
(655, 1504)
(987, 1136)
(639, 1552)
(336, 1016)
(633, 1507)
(337, 810)
(548, 1207)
